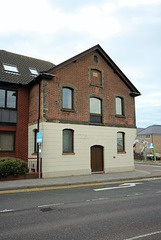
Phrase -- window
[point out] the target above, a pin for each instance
(120, 142)
(35, 140)
(68, 141)
(147, 136)
(33, 71)
(96, 77)
(95, 110)
(10, 68)
(120, 106)
(7, 141)
(7, 99)
(67, 98)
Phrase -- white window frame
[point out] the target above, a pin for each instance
(10, 68)
(33, 71)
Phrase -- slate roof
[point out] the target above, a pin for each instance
(151, 130)
(23, 64)
(139, 130)
(97, 48)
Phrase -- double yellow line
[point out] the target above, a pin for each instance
(35, 189)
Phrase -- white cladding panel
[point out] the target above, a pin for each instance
(55, 163)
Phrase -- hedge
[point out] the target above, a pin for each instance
(12, 166)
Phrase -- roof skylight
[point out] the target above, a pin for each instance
(33, 71)
(10, 68)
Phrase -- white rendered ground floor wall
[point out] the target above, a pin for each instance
(55, 163)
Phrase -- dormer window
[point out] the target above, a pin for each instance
(33, 71)
(10, 68)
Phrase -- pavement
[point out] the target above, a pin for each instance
(138, 173)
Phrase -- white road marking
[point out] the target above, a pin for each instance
(6, 210)
(50, 205)
(158, 192)
(144, 235)
(124, 185)
(138, 194)
(96, 199)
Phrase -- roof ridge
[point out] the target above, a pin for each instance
(107, 58)
(20, 55)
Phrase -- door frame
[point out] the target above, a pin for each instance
(99, 163)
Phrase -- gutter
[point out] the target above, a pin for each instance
(134, 94)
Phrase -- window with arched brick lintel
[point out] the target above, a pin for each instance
(95, 76)
(95, 110)
(120, 142)
(120, 108)
(68, 141)
(67, 95)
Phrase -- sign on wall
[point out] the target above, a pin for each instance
(39, 137)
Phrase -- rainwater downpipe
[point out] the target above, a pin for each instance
(38, 127)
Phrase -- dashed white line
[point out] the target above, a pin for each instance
(143, 236)
(96, 199)
(158, 192)
(6, 210)
(138, 194)
(50, 205)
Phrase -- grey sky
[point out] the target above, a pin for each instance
(129, 31)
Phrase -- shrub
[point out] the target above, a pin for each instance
(12, 166)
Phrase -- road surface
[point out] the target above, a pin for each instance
(117, 211)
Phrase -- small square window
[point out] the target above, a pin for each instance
(33, 71)
(7, 141)
(8, 99)
(10, 68)
(147, 136)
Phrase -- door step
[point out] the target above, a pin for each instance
(98, 172)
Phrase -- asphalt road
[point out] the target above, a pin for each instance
(117, 211)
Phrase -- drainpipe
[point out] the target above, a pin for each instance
(38, 79)
(38, 126)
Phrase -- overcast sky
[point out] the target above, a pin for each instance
(128, 30)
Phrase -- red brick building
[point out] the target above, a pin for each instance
(85, 109)
(16, 74)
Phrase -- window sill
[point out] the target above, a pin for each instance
(67, 110)
(97, 124)
(95, 85)
(34, 154)
(120, 116)
(1, 151)
(68, 153)
(121, 152)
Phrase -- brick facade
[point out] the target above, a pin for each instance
(21, 128)
(91, 74)
(77, 76)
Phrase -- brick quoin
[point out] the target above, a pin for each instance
(77, 76)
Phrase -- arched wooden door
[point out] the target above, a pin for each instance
(97, 158)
